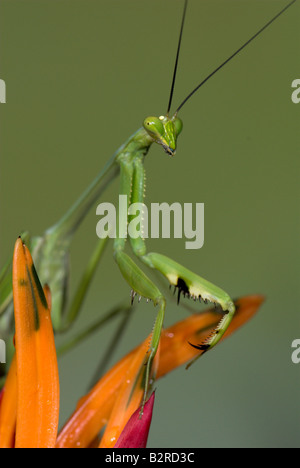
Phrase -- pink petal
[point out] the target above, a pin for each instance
(135, 433)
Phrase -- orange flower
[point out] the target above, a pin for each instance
(29, 403)
(33, 376)
(93, 410)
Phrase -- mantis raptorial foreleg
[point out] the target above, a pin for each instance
(193, 286)
(189, 284)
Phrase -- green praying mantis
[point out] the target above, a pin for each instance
(52, 249)
(164, 131)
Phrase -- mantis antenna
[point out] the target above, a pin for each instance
(177, 57)
(222, 64)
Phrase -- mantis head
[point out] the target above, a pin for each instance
(164, 131)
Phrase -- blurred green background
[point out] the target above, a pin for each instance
(81, 76)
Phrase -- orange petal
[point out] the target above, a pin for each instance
(37, 371)
(94, 409)
(130, 395)
(8, 408)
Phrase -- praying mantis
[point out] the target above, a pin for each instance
(164, 130)
(128, 163)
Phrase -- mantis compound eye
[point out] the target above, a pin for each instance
(154, 126)
(178, 125)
